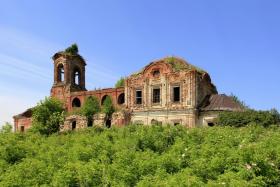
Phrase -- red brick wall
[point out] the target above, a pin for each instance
(112, 92)
(26, 122)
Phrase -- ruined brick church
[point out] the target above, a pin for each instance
(166, 91)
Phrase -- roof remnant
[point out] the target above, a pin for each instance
(25, 114)
(222, 102)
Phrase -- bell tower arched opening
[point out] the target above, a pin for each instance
(76, 76)
(60, 73)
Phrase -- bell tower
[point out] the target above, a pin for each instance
(69, 74)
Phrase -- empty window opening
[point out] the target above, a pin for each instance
(76, 103)
(108, 123)
(176, 123)
(156, 73)
(77, 76)
(74, 123)
(138, 122)
(60, 73)
(103, 99)
(138, 97)
(21, 128)
(156, 95)
(121, 99)
(176, 94)
(211, 124)
(156, 122)
(90, 123)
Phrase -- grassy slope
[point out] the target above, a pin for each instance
(144, 156)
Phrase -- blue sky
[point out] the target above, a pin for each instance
(236, 41)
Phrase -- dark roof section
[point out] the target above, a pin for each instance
(25, 114)
(222, 103)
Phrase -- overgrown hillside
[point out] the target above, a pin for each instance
(143, 156)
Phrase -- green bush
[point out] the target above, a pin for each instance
(108, 107)
(73, 49)
(143, 156)
(90, 107)
(47, 116)
(244, 118)
(6, 128)
(120, 83)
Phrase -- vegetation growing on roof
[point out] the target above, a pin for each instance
(120, 83)
(176, 64)
(72, 50)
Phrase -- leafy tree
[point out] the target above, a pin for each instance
(90, 107)
(108, 107)
(7, 128)
(73, 49)
(120, 83)
(47, 116)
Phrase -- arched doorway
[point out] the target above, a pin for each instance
(103, 99)
(89, 122)
(76, 103)
(121, 99)
(108, 123)
(74, 123)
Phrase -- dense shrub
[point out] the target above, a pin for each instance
(244, 118)
(143, 156)
(90, 107)
(120, 83)
(108, 107)
(47, 116)
(73, 49)
(6, 128)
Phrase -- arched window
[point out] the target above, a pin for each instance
(76, 76)
(121, 99)
(60, 73)
(103, 99)
(76, 102)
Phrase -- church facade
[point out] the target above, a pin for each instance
(166, 91)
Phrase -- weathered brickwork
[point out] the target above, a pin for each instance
(166, 91)
(74, 122)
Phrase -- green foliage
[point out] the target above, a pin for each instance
(47, 116)
(237, 100)
(176, 65)
(73, 49)
(143, 156)
(120, 83)
(6, 128)
(90, 107)
(108, 107)
(244, 118)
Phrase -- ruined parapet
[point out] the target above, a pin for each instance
(99, 119)
(120, 118)
(74, 122)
